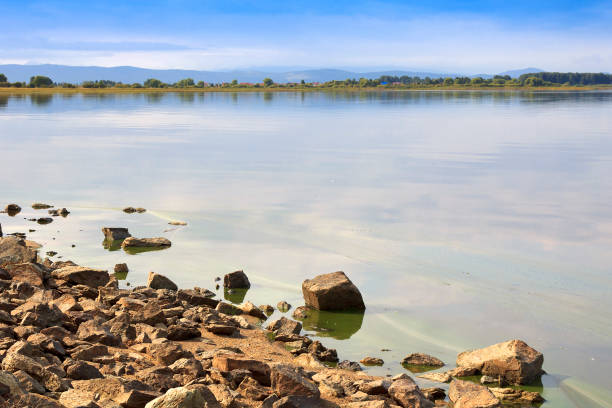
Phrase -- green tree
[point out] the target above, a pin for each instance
(201, 84)
(185, 83)
(153, 83)
(234, 82)
(477, 81)
(40, 81)
(3, 78)
(268, 82)
(448, 81)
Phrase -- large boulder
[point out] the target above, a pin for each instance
(332, 291)
(194, 397)
(14, 250)
(115, 234)
(514, 362)
(236, 280)
(466, 394)
(80, 275)
(408, 395)
(157, 281)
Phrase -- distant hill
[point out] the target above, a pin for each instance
(518, 72)
(128, 74)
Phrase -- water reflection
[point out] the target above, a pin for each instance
(111, 245)
(235, 296)
(338, 325)
(41, 99)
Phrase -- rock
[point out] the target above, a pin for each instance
(434, 394)
(181, 332)
(308, 361)
(269, 402)
(28, 383)
(420, 359)
(121, 268)
(485, 379)
(41, 206)
(26, 272)
(466, 394)
(349, 365)
(196, 298)
(57, 212)
(132, 242)
(81, 370)
(283, 306)
(40, 314)
(93, 332)
(301, 313)
(129, 210)
(228, 309)
(513, 361)
(183, 397)
(287, 380)
(252, 310)
(80, 275)
(285, 326)
(157, 281)
(221, 329)
(38, 401)
(12, 209)
(252, 390)
(332, 291)
(295, 401)
(227, 363)
(408, 394)
(115, 234)
(372, 361)
(178, 223)
(13, 250)
(376, 387)
(236, 280)
(89, 352)
(514, 396)
(167, 353)
(437, 377)
(44, 220)
(369, 404)
(267, 309)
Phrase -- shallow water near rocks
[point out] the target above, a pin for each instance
(465, 218)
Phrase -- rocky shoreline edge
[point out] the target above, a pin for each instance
(71, 338)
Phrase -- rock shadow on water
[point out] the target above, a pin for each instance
(140, 250)
(418, 368)
(235, 296)
(339, 325)
(111, 245)
(121, 276)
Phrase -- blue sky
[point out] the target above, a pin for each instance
(468, 36)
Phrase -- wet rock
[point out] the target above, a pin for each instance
(41, 206)
(466, 394)
(332, 291)
(372, 361)
(157, 281)
(44, 220)
(13, 250)
(283, 306)
(132, 242)
(195, 397)
(322, 353)
(349, 365)
(12, 209)
(60, 211)
(420, 359)
(408, 394)
(513, 361)
(514, 396)
(80, 275)
(121, 268)
(301, 313)
(227, 363)
(177, 223)
(115, 234)
(287, 380)
(434, 394)
(236, 280)
(252, 310)
(285, 326)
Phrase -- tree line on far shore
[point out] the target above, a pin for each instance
(539, 79)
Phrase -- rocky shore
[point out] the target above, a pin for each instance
(71, 337)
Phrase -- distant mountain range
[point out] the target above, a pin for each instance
(127, 74)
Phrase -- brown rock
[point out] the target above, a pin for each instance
(80, 275)
(121, 268)
(434, 394)
(511, 395)
(285, 326)
(13, 250)
(228, 309)
(115, 234)
(94, 332)
(287, 380)
(466, 394)
(372, 361)
(38, 401)
(132, 242)
(81, 370)
(408, 394)
(512, 361)
(221, 329)
(26, 272)
(196, 298)
(332, 291)
(89, 352)
(375, 387)
(167, 353)
(236, 280)
(157, 281)
(420, 359)
(252, 390)
(252, 310)
(227, 363)
(198, 396)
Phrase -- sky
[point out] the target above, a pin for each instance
(476, 36)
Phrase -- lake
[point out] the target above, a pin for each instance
(465, 218)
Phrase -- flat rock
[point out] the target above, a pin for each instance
(372, 361)
(466, 394)
(227, 363)
(437, 377)
(408, 394)
(420, 359)
(332, 291)
(115, 233)
(513, 361)
(80, 275)
(132, 242)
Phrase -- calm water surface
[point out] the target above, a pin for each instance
(465, 218)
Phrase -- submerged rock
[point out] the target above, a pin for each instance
(44, 220)
(512, 361)
(41, 206)
(332, 291)
(372, 361)
(236, 280)
(12, 209)
(115, 234)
